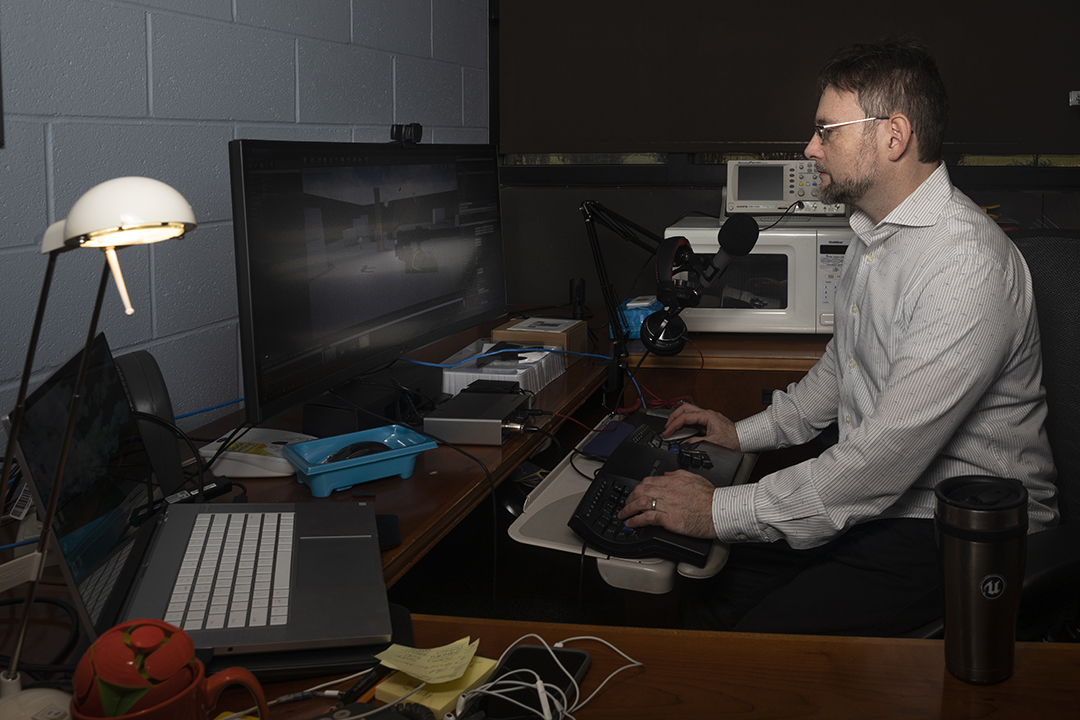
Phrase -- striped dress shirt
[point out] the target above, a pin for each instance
(934, 371)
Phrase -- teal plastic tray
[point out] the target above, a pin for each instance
(324, 478)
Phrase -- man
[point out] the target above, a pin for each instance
(934, 371)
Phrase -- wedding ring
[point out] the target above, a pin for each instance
(653, 504)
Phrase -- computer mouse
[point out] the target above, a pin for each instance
(355, 450)
(686, 431)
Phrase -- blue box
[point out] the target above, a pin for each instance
(324, 478)
(636, 315)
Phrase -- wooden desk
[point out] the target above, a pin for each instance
(445, 485)
(742, 351)
(743, 369)
(693, 674)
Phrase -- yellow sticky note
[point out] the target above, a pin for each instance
(441, 697)
(432, 665)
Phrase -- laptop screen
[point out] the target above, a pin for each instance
(107, 468)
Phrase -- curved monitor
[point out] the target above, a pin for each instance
(350, 254)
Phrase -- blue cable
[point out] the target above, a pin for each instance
(215, 407)
(12, 546)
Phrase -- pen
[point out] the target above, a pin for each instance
(362, 685)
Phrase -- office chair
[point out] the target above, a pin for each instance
(1050, 598)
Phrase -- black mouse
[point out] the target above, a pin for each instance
(355, 450)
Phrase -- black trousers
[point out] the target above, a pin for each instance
(878, 579)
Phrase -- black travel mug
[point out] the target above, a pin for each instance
(982, 544)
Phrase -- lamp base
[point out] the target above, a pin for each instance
(32, 704)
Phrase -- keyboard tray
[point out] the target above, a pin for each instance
(642, 454)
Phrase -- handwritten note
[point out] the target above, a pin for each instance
(434, 665)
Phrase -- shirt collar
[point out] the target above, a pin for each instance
(919, 209)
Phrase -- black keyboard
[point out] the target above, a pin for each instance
(641, 454)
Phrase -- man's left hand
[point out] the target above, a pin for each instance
(679, 501)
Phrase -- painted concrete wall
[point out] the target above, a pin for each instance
(96, 89)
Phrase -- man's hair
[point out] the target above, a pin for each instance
(894, 76)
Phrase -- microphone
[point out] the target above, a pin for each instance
(737, 237)
(664, 332)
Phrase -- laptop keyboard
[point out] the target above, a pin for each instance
(96, 587)
(235, 572)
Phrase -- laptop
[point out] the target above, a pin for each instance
(239, 578)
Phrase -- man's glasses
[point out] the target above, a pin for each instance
(823, 131)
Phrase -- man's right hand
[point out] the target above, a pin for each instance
(718, 429)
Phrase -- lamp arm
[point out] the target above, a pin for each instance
(54, 495)
(28, 368)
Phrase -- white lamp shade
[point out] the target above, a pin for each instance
(128, 211)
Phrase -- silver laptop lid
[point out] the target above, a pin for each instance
(106, 475)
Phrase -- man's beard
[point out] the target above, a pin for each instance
(852, 189)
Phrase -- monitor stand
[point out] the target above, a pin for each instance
(390, 396)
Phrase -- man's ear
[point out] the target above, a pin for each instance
(900, 138)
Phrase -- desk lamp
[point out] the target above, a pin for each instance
(118, 212)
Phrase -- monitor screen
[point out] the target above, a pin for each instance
(761, 182)
(349, 255)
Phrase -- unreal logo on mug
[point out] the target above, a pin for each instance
(992, 586)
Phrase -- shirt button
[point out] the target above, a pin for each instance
(742, 537)
(851, 363)
(854, 309)
(847, 419)
(869, 257)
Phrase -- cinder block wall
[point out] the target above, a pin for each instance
(96, 89)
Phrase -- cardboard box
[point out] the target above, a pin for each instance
(572, 335)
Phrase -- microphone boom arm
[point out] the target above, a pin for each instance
(594, 213)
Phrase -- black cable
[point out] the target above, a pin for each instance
(630, 376)
(649, 261)
(575, 453)
(55, 665)
(238, 432)
(695, 213)
(183, 436)
(416, 414)
(550, 436)
(792, 206)
(581, 582)
(487, 474)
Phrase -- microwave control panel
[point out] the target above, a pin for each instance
(832, 246)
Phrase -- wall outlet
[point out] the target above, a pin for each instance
(1074, 97)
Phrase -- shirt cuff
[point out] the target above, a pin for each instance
(733, 514)
(756, 433)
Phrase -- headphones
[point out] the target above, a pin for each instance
(664, 332)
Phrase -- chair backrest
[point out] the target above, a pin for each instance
(1053, 256)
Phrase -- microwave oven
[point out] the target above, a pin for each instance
(785, 285)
